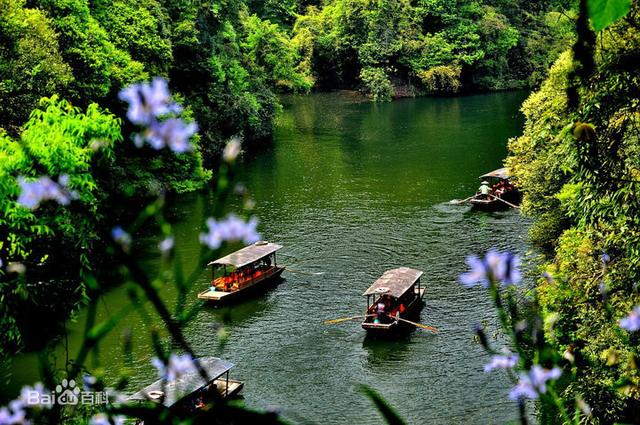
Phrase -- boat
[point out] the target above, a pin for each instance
(244, 271)
(190, 392)
(503, 193)
(395, 297)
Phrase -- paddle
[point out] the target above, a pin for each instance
(344, 319)
(457, 201)
(420, 325)
(508, 203)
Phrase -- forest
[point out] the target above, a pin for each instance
(71, 72)
(63, 63)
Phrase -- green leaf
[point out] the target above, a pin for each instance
(385, 409)
(605, 12)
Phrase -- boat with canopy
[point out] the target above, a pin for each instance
(190, 391)
(501, 193)
(393, 298)
(240, 272)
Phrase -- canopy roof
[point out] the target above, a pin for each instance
(500, 173)
(185, 384)
(248, 254)
(394, 282)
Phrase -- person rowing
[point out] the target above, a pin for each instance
(484, 190)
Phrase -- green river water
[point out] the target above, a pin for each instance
(352, 188)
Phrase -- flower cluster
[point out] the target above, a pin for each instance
(534, 383)
(148, 104)
(231, 229)
(501, 362)
(175, 367)
(494, 267)
(33, 193)
(16, 412)
(631, 323)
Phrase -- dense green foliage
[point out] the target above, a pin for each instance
(579, 167)
(224, 65)
(402, 47)
(58, 140)
(225, 61)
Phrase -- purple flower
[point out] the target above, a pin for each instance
(177, 366)
(501, 362)
(605, 258)
(147, 102)
(509, 271)
(36, 396)
(173, 133)
(167, 244)
(231, 229)
(102, 419)
(33, 193)
(495, 266)
(121, 236)
(631, 323)
(534, 383)
(14, 415)
(89, 382)
(477, 274)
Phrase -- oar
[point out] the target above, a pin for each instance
(506, 202)
(420, 325)
(302, 272)
(456, 201)
(344, 319)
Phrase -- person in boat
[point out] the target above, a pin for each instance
(381, 311)
(484, 190)
(200, 402)
(398, 310)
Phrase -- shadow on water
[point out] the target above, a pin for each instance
(380, 352)
(253, 306)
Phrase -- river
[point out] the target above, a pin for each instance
(352, 188)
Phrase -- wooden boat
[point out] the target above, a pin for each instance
(401, 294)
(189, 391)
(236, 275)
(503, 193)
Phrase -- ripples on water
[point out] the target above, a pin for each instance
(352, 189)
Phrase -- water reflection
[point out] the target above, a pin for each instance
(381, 353)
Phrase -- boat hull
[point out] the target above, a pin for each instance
(493, 204)
(263, 282)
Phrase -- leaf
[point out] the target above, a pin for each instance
(605, 12)
(385, 409)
